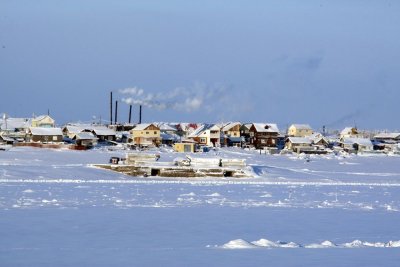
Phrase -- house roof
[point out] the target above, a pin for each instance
(42, 117)
(15, 123)
(166, 127)
(45, 131)
(388, 136)
(301, 126)
(300, 140)
(266, 127)
(169, 137)
(102, 131)
(74, 128)
(205, 127)
(230, 125)
(348, 130)
(142, 126)
(84, 136)
(359, 141)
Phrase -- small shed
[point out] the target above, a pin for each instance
(184, 147)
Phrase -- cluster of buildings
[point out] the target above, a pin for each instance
(191, 137)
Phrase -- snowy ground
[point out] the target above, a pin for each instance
(55, 210)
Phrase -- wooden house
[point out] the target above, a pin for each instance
(45, 135)
(350, 132)
(230, 134)
(102, 133)
(85, 139)
(146, 134)
(300, 130)
(356, 144)
(15, 128)
(298, 144)
(389, 138)
(207, 134)
(44, 121)
(264, 135)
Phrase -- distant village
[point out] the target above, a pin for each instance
(41, 131)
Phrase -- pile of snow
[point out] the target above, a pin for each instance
(238, 244)
(265, 243)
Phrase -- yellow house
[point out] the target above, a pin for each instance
(146, 134)
(300, 130)
(44, 121)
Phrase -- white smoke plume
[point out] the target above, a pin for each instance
(187, 99)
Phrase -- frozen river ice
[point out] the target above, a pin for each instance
(55, 210)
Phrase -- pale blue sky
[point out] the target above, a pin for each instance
(331, 63)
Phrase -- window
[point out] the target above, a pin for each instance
(203, 140)
(54, 138)
(155, 132)
(147, 132)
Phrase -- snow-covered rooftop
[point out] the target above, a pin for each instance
(205, 127)
(359, 141)
(300, 140)
(45, 131)
(15, 123)
(230, 125)
(266, 127)
(301, 126)
(388, 135)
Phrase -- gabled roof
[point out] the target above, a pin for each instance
(266, 127)
(300, 140)
(42, 117)
(84, 136)
(74, 129)
(165, 127)
(45, 131)
(388, 136)
(301, 126)
(205, 127)
(143, 126)
(348, 130)
(15, 123)
(230, 125)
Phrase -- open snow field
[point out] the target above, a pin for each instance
(56, 210)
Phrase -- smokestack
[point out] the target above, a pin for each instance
(130, 114)
(116, 112)
(140, 114)
(111, 108)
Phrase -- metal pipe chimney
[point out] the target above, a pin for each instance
(140, 114)
(130, 114)
(111, 108)
(116, 112)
